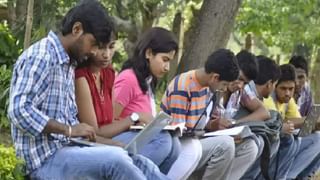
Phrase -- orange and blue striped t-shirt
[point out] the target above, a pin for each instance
(185, 99)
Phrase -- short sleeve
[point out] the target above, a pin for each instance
(124, 87)
(292, 111)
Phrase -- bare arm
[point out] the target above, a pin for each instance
(79, 130)
(259, 112)
(87, 112)
(297, 122)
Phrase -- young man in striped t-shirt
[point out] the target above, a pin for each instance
(186, 99)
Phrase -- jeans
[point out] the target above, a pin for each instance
(173, 155)
(188, 159)
(157, 150)
(281, 163)
(308, 151)
(90, 163)
(311, 169)
(221, 159)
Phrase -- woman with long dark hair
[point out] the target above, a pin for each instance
(135, 85)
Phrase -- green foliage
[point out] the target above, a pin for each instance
(9, 51)
(10, 166)
(5, 77)
(282, 23)
(9, 46)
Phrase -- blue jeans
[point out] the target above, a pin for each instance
(309, 149)
(157, 150)
(173, 156)
(283, 160)
(311, 169)
(90, 163)
(283, 155)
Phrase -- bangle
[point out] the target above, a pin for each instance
(69, 132)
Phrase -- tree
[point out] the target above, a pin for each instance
(211, 30)
(27, 36)
(292, 26)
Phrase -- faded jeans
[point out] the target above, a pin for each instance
(157, 150)
(223, 160)
(95, 163)
(308, 151)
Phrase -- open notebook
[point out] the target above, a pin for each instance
(148, 132)
(239, 131)
(179, 128)
(310, 121)
(141, 139)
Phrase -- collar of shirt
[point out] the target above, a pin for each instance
(62, 55)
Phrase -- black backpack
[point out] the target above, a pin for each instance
(269, 130)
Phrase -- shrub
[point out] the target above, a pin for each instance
(10, 166)
(5, 77)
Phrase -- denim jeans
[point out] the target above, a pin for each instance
(90, 163)
(157, 150)
(281, 163)
(188, 159)
(311, 169)
(308, 151)
(289, 148)
(222, 159)
(173, 155)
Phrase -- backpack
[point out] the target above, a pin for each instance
(269, 130)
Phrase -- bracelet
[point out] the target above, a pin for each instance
(70, 131)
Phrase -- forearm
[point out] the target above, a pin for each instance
(108, 141)
(115, 128)
(260, 114)
(54, 126)
(297, 122)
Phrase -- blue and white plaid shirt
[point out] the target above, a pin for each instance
(42, 88)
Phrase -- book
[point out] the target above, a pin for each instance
(179, 128)
(239, 132)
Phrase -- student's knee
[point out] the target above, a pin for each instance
(225, 147)
(163, 140)
(248, 148)
(316, 138)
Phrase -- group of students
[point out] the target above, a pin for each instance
(64, 86)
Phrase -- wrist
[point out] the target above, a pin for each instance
(68, 131)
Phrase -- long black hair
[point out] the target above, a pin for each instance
(159, 40)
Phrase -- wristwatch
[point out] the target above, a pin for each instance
(135, 118)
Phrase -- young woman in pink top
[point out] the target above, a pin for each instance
(94, 94)
(135, 85)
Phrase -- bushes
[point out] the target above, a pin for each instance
(10, 166)
(5, 77)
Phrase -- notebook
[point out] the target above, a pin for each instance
(310, 122)
(141, 139)
(147, 133)
(239, 131)
(178, 128)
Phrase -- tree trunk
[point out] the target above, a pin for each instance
(11, 14)
(211, 31)
(178, 30)
(27, 36)
(315, 83)
(249, 42)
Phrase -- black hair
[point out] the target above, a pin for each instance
(224, 63)
(299, 62)
(159, 40)
(248, 64)
(268, 70)
(94, 19)
(288, 73)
